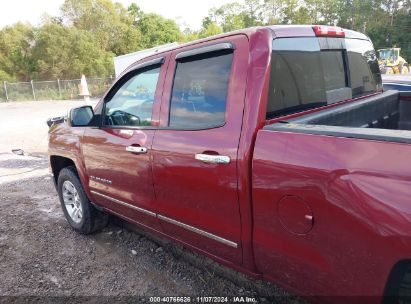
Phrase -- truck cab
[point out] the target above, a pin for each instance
(214, 144)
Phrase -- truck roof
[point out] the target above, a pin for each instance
(279, 31)
(307, 31)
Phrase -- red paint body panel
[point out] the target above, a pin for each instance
(130, 175)
(253, 120)
(320, 215)
(207, 193)
(360, 203)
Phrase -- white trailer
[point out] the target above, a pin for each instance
(122, 62)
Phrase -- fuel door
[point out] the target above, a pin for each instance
(295, 215)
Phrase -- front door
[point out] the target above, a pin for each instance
(118, 155)
(195, 150)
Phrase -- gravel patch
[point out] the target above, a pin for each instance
(42, 257)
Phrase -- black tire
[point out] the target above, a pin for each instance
(92, 219)
(405, 69)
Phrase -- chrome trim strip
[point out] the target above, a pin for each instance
(125, 204)
(169, 220)
(198, 231)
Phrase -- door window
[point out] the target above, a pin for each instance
(132, 103)
(199, 95)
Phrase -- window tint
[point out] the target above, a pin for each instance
(198, 99)
(132, 104)
(312, 72)
(364, 69)
(303, 76)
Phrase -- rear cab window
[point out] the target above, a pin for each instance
(311, 72)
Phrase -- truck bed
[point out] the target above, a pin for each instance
(385, 116)
(323, 179)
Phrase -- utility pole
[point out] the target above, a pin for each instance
(5, 90)
(32, 88)
(58, 83)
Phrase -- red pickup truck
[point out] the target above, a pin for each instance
(273, 150)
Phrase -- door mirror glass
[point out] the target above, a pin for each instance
(81, 117)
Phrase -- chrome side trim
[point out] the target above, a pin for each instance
(169, 220)
(125, 204)
(198, 231)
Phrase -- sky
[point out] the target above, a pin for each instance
(184, 12)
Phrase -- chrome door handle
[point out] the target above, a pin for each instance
(136, 150)
(213, 159)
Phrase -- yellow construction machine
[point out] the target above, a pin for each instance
(391, 62)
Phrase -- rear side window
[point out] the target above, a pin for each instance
(312, 72)
(199, 93)
(364, 69)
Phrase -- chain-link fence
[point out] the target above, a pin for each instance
(52, 90)
(2, 93)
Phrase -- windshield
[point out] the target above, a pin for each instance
(387, 54)
(312, 72)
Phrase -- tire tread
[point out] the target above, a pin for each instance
(94, 220)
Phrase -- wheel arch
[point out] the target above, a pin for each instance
(398, 279)
(57, 163)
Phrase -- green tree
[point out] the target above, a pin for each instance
(296, 13)
(157, 30)
(328, 12)
(229, 17)
(84, 38)
(189, 35)
(211, 30)
(16, 62)
(253, 14)
(110, 23)
(274, 10)
(69, 52)
(88, 33)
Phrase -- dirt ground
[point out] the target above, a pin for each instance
(42, 259)
(23, 124)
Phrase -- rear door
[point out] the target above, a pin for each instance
(195, 149)
(117, 155)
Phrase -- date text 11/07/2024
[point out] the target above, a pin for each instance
(236, 299)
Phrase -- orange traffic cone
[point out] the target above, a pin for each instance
(84, 89)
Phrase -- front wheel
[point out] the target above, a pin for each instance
(405, 70)
(79, 212)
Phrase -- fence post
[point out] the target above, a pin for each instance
(58, 83)
(32, 88)
(5, 90)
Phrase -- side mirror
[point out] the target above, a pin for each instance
(81, 117)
